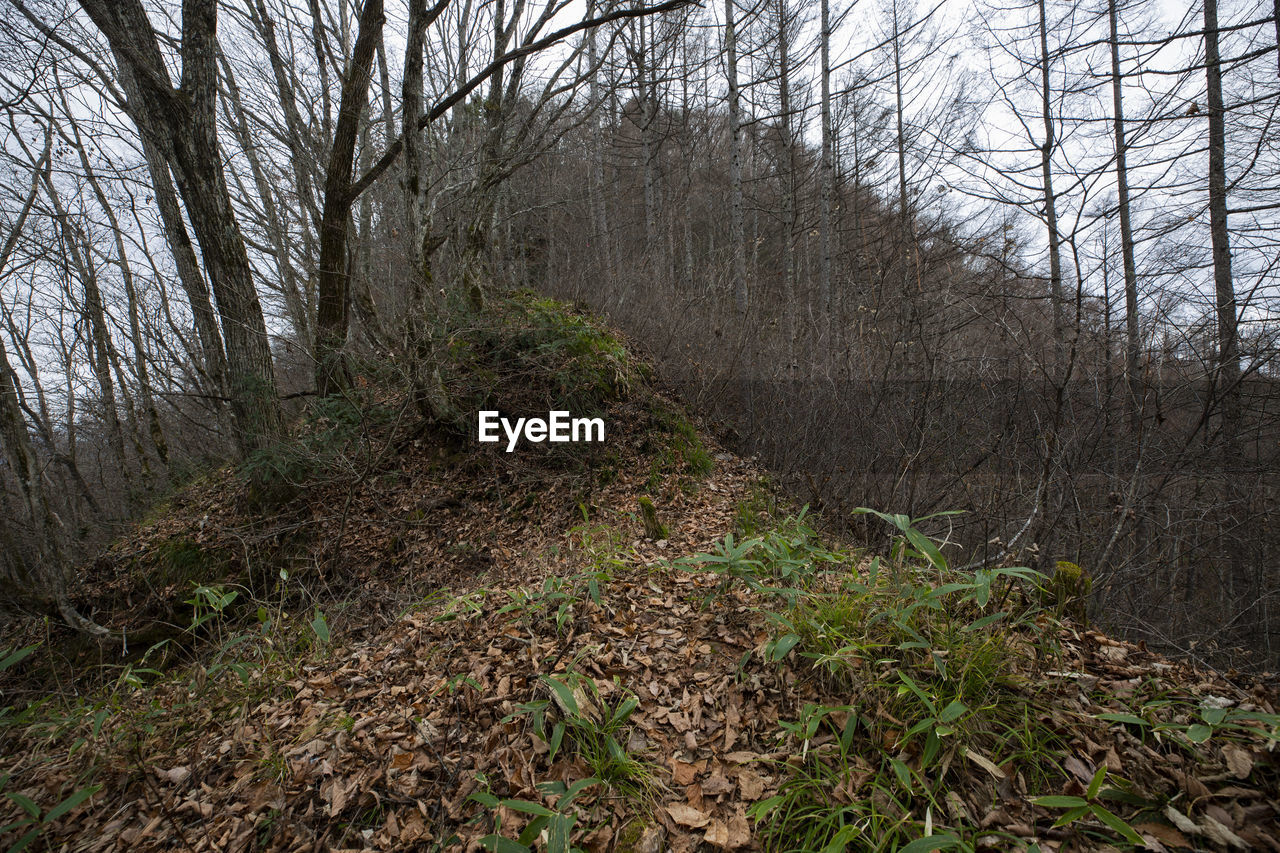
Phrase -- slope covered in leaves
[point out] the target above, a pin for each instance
(422, 645)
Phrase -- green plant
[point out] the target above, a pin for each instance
(777, 560)
(557, 598)
(36, 820)
(209, 604)
(181, 560)
(554, 824)
(596, 730)
(732, 560)
(911, 544)
(10, 658)
(1207, 722)
(600, 544)
(1090, 804)
(526, 353)
(336, 431)
(941, 655)
(467, 606)
(753, 513)
(679, 449)
(320, 627)
(837, 795)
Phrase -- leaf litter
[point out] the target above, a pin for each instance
(383, 738)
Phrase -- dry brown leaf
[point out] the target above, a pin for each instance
(1181, 821)
(1078, 768)
(176, 775)
(985, 763)
(1166, 835)
(716, 785)
(693, 796)
(1217, 831)
(750, 785)
(1239, 761)
(687, 815)
(729, 836)
(1195, 789)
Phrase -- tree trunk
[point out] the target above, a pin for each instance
(599, 209)
(1050, 200)
(213, 358)
(648, 102)
(333, 297)
(182, 123)
(789, 308)
(1132, 342)
(901, 142)
(1228, 372)
(827, 179)
(737, 235)
(429, 395)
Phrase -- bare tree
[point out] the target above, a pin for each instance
(182, 123)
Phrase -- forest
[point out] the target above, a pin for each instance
(973, 304)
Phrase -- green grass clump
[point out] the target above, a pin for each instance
(529, 355)
(335, 434)
(933, 675)
(679, 450)
(578, 715)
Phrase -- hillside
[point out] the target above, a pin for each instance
(385, 635)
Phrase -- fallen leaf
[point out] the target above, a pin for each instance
(984, 762)
(716, 784)
(1239, 762)
(1217, 831)
(750, 785)
(732, 835)
(1078, 768)
(683, 773)
(177, 775)
(1166, 835)
(1181, 821)
(687, 815)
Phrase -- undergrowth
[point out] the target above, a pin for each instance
(933, 672)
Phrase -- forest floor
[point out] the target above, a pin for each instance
(433, 646)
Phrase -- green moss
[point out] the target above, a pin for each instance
(1067, 591)
(527, 354)
(333, 430)
(181, 561)
(631, 835)
(653, 528)
(678, 449)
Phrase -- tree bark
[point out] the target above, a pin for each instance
(1228, 372)
(333, 297)
(788, 205)
(1132, 342)
(599, 209)
(182, 123)
(1050, 200)
(827, 178)
(737, 234)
